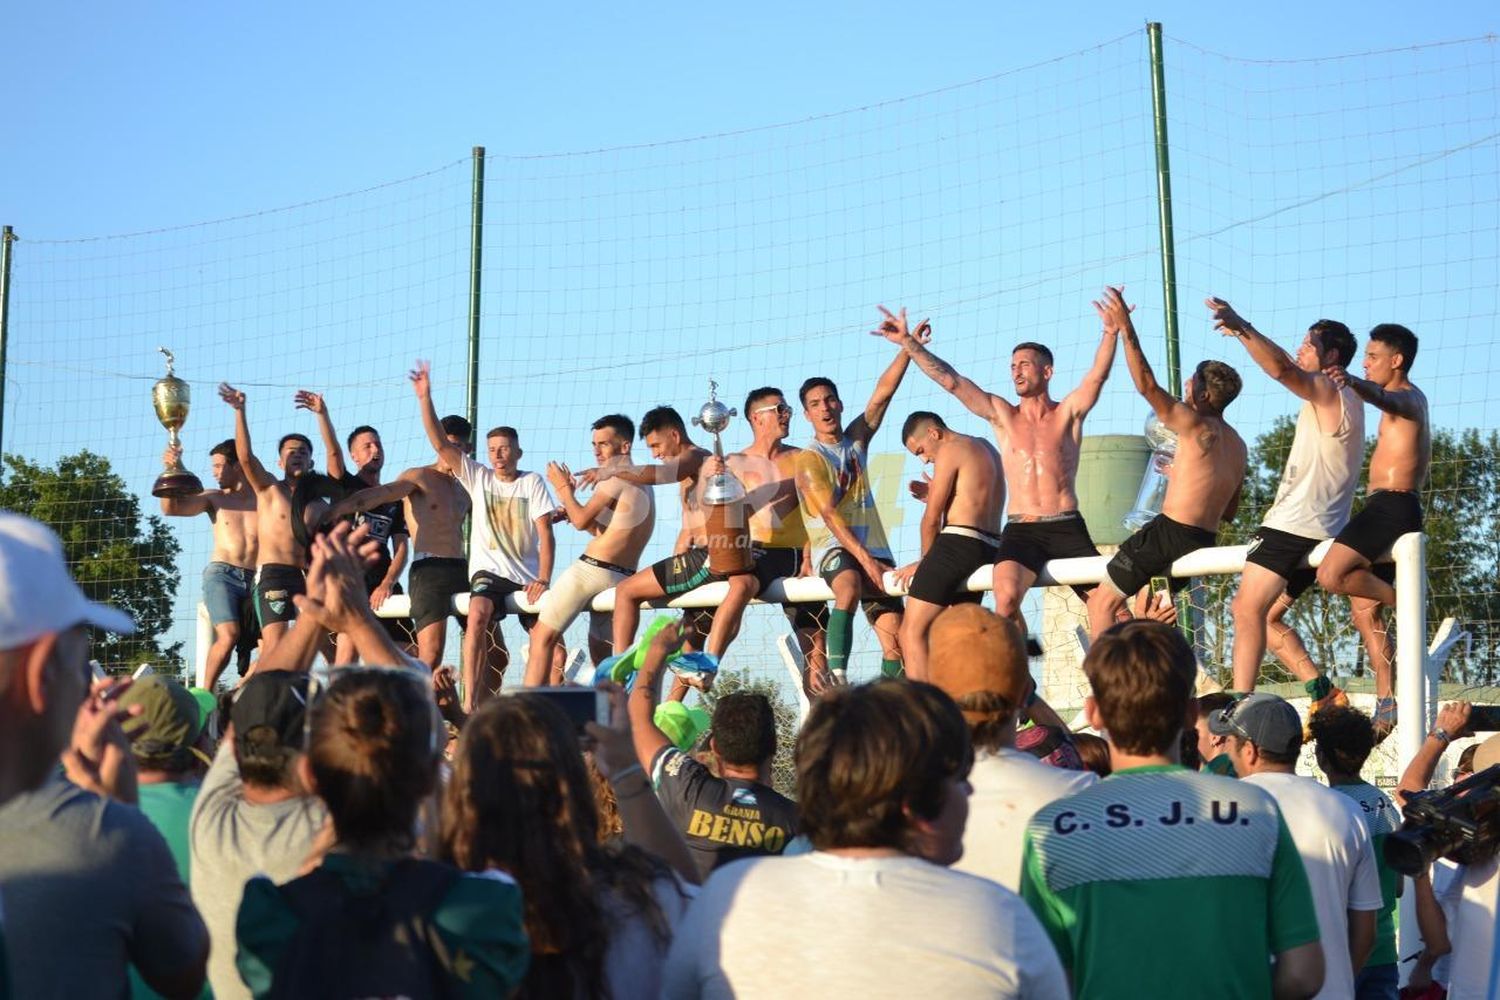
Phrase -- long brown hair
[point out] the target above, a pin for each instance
(520, 800)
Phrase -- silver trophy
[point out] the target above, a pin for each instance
(1153, 491)
(723, 488)
(726, 527)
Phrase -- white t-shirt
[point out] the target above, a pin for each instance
(1468, 901)
(1009, 787)
(904, 927)
(1339, 856)
(504, 536)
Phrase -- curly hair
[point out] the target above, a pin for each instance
(521, 800)
(1345, 737)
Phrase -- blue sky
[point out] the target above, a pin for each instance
(1357, 188)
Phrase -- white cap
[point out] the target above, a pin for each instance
(37, 594)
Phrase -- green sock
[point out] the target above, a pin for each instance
(1318, 687)
(840, 638)
(891, 668)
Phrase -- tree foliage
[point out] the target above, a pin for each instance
(1462, 506)
(117, 556)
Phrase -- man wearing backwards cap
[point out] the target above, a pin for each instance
(1265, 739)
(87, 883)
(979, 660)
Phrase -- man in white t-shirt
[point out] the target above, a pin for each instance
(1337, 852)
(979, 659)
(882, 776)
(1312, 503)
(511, 546)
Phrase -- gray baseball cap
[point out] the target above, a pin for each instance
(1270, 722)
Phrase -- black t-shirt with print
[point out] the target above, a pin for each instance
(723, 819)
(385, 521)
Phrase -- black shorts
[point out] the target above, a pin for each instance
(1387, 515)
(434, 584)
(497, 588)
(943, 574)
(1152, 551)
(684, 572)
(836, 561)
(1282, 553)
(275, 585)
(1033, 543)
(776, 563)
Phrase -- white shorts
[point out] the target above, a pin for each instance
(576, 589)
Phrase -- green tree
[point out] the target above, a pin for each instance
(783, 767)
(117, 556)
(1462, 505)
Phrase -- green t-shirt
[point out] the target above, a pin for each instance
(478, 921)
(168, 804)
(1171, 880)
(1381, 818)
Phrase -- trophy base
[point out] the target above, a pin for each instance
(176, 484)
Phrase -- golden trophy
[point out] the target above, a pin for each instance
(725, 516)
(172, 399)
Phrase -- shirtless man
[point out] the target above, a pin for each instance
(386, 518)
(1207, 473)
(1393, 505)
(1312, 503)
(1039, 440)
(768, 470)
(511, 548)
(960, 527)
(284, 517)
(847, 541)
(681, 462)
(621, 516)
(228, 577)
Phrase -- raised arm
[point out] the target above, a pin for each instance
(449, 453)
(982, 404)
(864, 426)
(678, 470)
(188, 506)
(1272, 358)
(1452, 722)
(371, 497)
(313, 402)
(646, 695)
(1408, 403)
(255, 473)
(1082, 399)
(1115, 315)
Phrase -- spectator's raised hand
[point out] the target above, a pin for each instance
(1453, 719)
(445, 692)
(336, 596)
(614, 747)
(99, 758)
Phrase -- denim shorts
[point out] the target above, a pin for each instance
(225, 590)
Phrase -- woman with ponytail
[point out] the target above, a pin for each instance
(373, 919)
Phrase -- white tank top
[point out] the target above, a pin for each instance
(1322, 470)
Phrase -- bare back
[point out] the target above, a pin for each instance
(435, 512)
(1403, 449)
(627, 522)
(236, 527)
(979, 488)
(1207, 473)
(1039, 442)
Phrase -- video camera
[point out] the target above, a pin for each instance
(1460, 823)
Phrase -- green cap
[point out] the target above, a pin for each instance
(683, 725)
(162, 736)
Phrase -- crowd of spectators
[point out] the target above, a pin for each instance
(362, 836)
